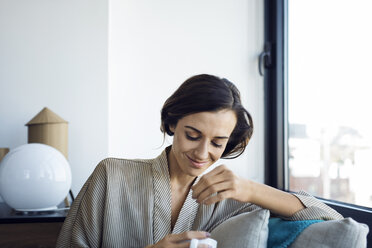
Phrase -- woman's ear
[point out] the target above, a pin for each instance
(172, 128)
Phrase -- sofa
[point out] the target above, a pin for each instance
(257, 229)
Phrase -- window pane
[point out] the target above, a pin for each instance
(329, 99)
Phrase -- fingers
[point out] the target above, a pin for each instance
(181, 240)
(218, 197)
(188, 236)
(180, 245)
(219, 188)
(204, 246)
(217, 175)
(187, 245)
(220, 180)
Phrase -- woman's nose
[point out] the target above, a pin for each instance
(201, 152)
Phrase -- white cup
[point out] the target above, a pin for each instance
(211, 242)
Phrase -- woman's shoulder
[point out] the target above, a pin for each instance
(114, 169)
(135, 164)
(125, 162)
(116, 165)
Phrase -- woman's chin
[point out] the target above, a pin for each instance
(195, 172)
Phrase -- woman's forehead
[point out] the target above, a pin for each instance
(219, 123)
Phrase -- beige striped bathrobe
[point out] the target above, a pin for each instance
(127, 203)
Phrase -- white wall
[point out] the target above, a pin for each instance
(54, 54)
(155, 45)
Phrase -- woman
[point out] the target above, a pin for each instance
(166, 201)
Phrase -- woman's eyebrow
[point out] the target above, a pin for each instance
(194, 129)
(199, 132)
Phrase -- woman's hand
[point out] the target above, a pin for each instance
(225, 183)
(181, 240)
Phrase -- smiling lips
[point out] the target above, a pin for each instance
(197, 165)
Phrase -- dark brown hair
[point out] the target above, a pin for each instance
(207, 93)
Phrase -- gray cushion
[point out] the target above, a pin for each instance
(333, 233)
(244, 230)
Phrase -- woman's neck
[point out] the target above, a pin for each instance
(178, 178)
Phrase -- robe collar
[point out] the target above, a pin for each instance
(162, 202)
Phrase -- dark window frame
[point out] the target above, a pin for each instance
(273, 63)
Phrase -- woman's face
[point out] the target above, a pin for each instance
(199, 140)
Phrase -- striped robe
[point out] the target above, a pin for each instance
(127, 203)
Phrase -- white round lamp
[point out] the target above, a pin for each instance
(34, 177)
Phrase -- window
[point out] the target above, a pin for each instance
(317, 124)
(330, 130)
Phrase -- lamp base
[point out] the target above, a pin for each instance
(25, 210)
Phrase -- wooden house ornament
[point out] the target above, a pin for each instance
(50, 129)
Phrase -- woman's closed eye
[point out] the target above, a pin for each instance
(195, 138)
(216, 144)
